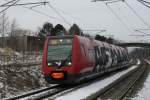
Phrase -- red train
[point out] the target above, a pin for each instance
(71, 59)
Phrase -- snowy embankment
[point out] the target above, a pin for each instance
(15, 80)
(86, 91)
(147, 61)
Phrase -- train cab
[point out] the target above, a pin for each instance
(57, 57)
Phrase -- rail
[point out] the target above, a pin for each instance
(118, 89)
(32, 93)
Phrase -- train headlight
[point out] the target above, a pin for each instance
(69, 63)
(49, 64)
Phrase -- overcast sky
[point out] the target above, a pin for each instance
(88, 15)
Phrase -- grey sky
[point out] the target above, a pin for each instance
(87, 14)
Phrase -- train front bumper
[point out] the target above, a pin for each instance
(67, 79)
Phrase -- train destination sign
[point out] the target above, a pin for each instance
(60, 41)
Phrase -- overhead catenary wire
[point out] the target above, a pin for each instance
(8, 2)
(71, 16)
(66, 13)
(142, 20)
(9, 6)
(118, 18)
(143, 3)
(142, 32)
(44, 3)
(58, 14)
(42, 13)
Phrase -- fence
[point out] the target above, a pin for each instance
(23, 59)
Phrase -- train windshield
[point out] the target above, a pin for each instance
(59, 50)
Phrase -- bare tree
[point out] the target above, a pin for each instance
(13, 27)
(4, 28)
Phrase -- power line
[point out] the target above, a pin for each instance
(44, 3)
(9, 6)
(142, 32)
(42, 13)
(115, 14)
(143, 3)
(144, 22)
(8, 2)
(58, 14)
(102, 0)
(140, 35)
(114, 1)
(144, 29)
(66, 13)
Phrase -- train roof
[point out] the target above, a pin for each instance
(60, 37)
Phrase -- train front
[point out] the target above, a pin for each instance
(57, 59)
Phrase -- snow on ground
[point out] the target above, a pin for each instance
(138, 62)
(1, 85)
(82, 93)
(8, 56)
(15, 80)
(144, 93)
(1, 50)
(147, 61)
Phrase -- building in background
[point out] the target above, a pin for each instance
(22, 43)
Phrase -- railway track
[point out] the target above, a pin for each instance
(118, 89)
(38, 94)
(53, 91)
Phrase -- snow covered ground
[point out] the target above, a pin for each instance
(144, 93)
(18, 80)
(8, 56)
(86, 91)
(147, 61)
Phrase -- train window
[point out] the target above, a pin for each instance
(61, 41)
(59, 49)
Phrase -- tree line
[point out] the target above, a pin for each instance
(49, 29)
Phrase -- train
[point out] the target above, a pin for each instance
(70, 59)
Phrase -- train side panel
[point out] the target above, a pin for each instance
(84, 61)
